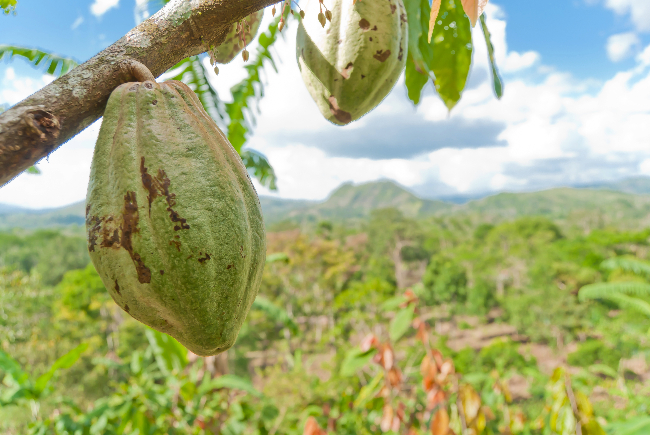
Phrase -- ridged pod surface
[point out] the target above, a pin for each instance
(351, 64)
(174, 223)
(231, 46)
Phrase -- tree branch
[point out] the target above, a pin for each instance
(39, 124)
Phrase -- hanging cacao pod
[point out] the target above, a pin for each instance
(232, 46)
(174, 223)
(352, 63)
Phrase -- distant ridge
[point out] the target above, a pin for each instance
(615, 202)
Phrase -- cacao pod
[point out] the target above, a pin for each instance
(231, 46)
(350, 65)
(174, 223)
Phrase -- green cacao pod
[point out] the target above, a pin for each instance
(174, 223)
(231, 46)
(351, 64)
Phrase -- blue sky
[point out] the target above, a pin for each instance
(577, 76)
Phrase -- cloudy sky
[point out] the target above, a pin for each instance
(576, 108)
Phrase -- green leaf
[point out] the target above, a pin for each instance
(235, 383)
(400, 323)
(452, 51)
(278, 256)
(192, 72)
(8, 6)
(393, 303)
(12, 368)
(369, 391)
(171, 356)
(354, 360)
(260, 168)
(619, 293)
(53, 63)
(275, 313)
(414, 81)
(33, 170)
(65, 362)
(497, 84)
(627, 264)
(632, 426)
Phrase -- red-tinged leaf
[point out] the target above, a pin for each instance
(437, 357)
(471, 10)
(200, 423)
(435, 397)
(440, 422)
(428, 383)
(396, 424)
(388, 357)
(400, 411)
(422, 333)
(425, 365)
(387, 418)
(369, 342)
(446, 369)
(394, 377)
(312, 427)
(435, 8)
(384, 392)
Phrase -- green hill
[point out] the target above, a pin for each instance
(14, 217)
(624, 202)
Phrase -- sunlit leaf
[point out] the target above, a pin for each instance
(400, 323)
(452, 52)
(8, 6)
(497, 83)
(52, 63)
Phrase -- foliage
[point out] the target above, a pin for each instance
(8, 6)
(52, 63)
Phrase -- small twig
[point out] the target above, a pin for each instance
(574, 403)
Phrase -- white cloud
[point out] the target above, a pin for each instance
(622, 46)
(63, 179)
(141, 11)
(100, 7)
(639, 11)
(78, 22)
(14, 89)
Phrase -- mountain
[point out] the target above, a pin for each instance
(635, 185)
(607, 206)
(622, 202)
(15, 217)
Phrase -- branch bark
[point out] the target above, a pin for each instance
(39, 124)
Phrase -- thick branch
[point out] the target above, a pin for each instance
(39, 124)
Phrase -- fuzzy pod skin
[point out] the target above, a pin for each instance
(231, 46)
(351, 64)
(174, 224)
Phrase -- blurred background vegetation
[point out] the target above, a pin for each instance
(518, 313)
